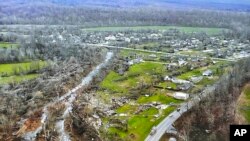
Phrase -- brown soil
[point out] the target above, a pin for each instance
(29, 125)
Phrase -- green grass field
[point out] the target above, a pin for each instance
(139, 73)
(7, 45)
(121, 84)
(158, 97)
(140, 125)
(16, 68)
(18, 72)
(182, 29)
(17, 79)
(188, 75)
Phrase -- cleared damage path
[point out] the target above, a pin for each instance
(67, 99)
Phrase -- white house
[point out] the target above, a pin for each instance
(135, 61)
(110, 38)
(207, 73)
(182, 62)
(181, 96)
(179, 81)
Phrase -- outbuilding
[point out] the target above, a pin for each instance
(181, 96)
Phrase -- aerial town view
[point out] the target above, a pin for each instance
(123, 70)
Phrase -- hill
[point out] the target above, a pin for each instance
(242, 5)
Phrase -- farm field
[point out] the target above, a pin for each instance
(7, 45)
(17, 72)
(17, 79)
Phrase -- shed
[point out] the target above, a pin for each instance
(181, 96)
(207, 73)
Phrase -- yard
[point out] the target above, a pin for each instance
(120, 85)
(146, 73)
(139, 125)
(138, 74)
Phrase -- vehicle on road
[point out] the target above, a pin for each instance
(153, 131)
(178, 109)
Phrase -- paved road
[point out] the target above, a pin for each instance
(158, 52)
(166, 124)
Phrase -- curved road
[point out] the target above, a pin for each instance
(167, 123)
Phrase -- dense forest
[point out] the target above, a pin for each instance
(38, 13)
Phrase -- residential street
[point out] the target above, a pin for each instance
(166, 124)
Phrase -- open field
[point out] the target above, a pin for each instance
(7, 45)
(17, 68)
(17, 79)
(182, 29)
(18, 72)
(137, 74)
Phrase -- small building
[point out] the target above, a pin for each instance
(167, 78)
(181, 96)
(185, 86)
(179, 81)
(172, 66)
(110, 38)
(135, 61)
(152, 56)
(207, 73)
(182, 62)
(195, 79)
(172, 139)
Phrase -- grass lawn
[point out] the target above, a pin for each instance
(139, 73)
(7, 45)
(206, 81)
(127, 108)
(219, 68)
(136, 122)
(182, 29)
(158, 97)
(188, 75)
(168, 84)
(17, 79)
(139, 126)
(17, 72)
(11, 69)
(132, 54)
